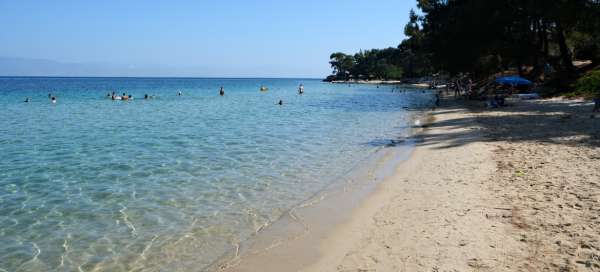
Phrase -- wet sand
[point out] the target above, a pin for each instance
(510, 189)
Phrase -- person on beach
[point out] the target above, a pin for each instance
(222, 91)
(469, 86)
(597, 102)
(457, 88)
(301, 89)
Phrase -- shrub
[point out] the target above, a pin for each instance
(588, 85)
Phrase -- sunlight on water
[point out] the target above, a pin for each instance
(172, 182)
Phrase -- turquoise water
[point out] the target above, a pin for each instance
(171, 183)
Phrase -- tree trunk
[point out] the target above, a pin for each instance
(564, 50)
(545, 37)
(538, 44)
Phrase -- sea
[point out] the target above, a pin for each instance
(176, 181)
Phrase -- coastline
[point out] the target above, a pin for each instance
(299, 231)
(412, 213)
(373, 82)
(454, 204)
(412, 84)
(429, 215)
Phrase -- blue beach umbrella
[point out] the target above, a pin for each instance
(513, 80)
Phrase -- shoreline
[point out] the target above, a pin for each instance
(405, 83)
(298, 232)
(393, 209)
(454, 204)
(428, 215)
(290, 243)
(372, 82)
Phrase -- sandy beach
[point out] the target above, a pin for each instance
(510, 189)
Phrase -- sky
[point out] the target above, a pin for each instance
(227, 38)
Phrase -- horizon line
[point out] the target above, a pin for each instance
(160, 77)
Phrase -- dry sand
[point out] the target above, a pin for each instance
(512, 189)
(548, 160)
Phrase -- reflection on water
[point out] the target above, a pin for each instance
(172, 182)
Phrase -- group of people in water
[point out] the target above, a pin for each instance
(51, 97)
(114, 96)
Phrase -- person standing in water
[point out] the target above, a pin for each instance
(280, 103)
(26, 100)
(222, 91)
(179, 93)
(301, 89)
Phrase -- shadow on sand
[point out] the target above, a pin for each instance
(547, 121)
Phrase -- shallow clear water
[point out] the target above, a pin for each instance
(172, 182)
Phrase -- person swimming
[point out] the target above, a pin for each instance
(124, 97)
(146, 96)
(26, 100)
(263, 88)
(179, 93)
(115, 97)
(280, 103)
(53, 99)
(301, 89)
(222, 91)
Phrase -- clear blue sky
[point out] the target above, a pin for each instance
(196, 38)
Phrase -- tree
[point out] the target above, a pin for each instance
(484, 37)
(341, 64)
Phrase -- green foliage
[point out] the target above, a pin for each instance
(588, 85)
(368, 64)
(392, 72)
